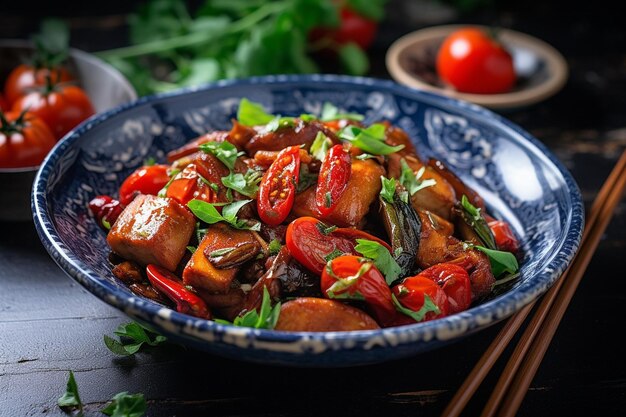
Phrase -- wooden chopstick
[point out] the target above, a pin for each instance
(493, 352)
(539, 345)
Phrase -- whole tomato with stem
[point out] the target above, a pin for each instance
(474, 61)
(148, 179)
(61, 106)
(352, 277)
(25, 140)
(26, 78)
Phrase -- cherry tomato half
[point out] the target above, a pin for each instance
(356, 278)
(24, 78)
(333, 179)
(472, 61)
(504, 236)
(148, 179)
(25, 140)
(310, 241)
(63, 108)
(411, 294)
(278, 187)
(200, 180)
(455, 282)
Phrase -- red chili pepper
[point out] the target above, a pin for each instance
(333, 179)
(186, 301)
(278, 187)
(106, 210)
(454, 281)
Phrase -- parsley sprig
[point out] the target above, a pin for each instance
(209, 214)
(132, 337)
(382, 258)
(265, 318)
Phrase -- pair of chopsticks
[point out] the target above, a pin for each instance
(522, 366)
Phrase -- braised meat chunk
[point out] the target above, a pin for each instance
(152, 230)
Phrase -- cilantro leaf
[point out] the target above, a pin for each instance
(389, 189)
(274, 247)
(382, 258)
(320, 146)
(419, 315)
(132, 337)
(252, 114)
(370, 140)
(224, 151)
(209, 214)
(500, 261)
(246, 184)
(412, 181)
(70, 399)
(265, 318)
(124, 404)
(330, 112)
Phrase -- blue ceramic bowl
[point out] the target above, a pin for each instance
(519, 178)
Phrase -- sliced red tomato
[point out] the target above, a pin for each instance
(311, 242)
(455, 282)
(148, 179)
(278, 187)
(333, 179)
(355, 278)
(421, 299)
(504, 236)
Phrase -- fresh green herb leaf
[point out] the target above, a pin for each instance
(365, 156)
(200, 232)
(353, 59)
(330, 112)
(124, 404)
(132, 337)
(209, 214)
(500, 261)
(70, 399)
(474, 218)
(320, 146)
(326, 230)
(192, 249)
(419, 315)
(265, 318)
(253, 114)
(388, 189)
(274, 247)
(382, 258)
(339, 287)
(370, 140)
(246, 184)
(224, 151)
(149, 161)
(106, 223)
(278, 122)
(412, 181)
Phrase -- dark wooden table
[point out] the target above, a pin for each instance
(49, 324)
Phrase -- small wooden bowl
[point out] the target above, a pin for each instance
(542, 71)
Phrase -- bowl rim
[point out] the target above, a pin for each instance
(75, 54)
(556, 63)
(476, 318)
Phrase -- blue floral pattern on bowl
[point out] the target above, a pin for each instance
(518, 177)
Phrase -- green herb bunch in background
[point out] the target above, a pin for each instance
(172, 47)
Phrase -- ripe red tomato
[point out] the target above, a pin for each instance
(504, 236)
(310, 241)
(472, 61)
(148, 179)
(62, 108)
(355, 278)
(25, 140)
(26, 77)
(455, 282)
(411, 294)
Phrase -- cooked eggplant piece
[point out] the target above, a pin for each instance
(308, 314)
(219, 240)
(152, 230)
(403, 227)
(128, 272)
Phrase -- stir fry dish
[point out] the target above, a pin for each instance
(305, 223)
